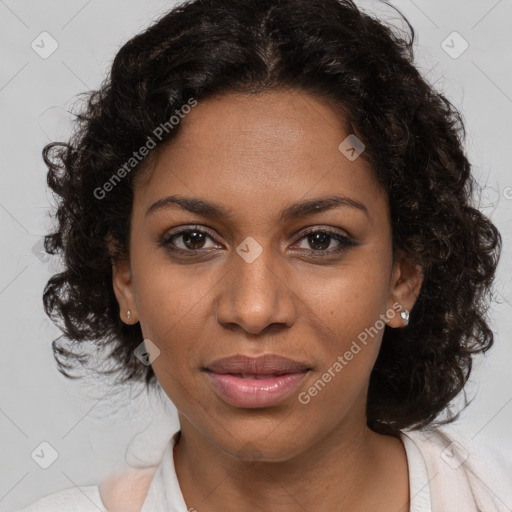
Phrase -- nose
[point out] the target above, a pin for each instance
(256, 295)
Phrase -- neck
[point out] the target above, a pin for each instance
(351, 468)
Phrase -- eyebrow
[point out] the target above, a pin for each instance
(216, 211)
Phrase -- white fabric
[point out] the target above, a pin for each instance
(446, 473)
(82, 499)
(419, 487)
(474, 476)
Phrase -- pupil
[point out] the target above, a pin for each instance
(195, 238)
(320, 238)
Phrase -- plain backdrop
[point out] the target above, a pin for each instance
(92, 430)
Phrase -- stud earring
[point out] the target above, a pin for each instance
(128, 314)
(405, 315)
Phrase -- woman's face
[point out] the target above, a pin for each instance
(246, 279)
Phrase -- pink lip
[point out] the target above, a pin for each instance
(270, 378)
(263, 391)
(266, 364)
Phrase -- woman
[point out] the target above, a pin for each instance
(267, 212)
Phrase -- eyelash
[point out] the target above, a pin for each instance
(344, 242)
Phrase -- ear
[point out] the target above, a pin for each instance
(123, 289)
(405, 286)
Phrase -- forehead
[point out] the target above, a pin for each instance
(285, 123)
(259, 151)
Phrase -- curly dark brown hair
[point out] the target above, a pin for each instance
(414, 144)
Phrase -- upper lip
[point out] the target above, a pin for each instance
(267, 364)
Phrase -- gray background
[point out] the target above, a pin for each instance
(92, 428)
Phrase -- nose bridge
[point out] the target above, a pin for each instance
(256, 293)
(257, 277)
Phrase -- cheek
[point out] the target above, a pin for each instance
(169, 297)
(352, 328)
(174, 305)
(349, 309)
(351, 297)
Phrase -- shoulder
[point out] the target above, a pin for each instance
(124, 492)
(455, 447)
(76, 499)
(456, 459)
(127, 491)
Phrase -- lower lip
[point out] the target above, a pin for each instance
(253, 393)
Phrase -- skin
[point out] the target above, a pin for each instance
(256, 155)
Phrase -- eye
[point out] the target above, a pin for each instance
(319, 240)
(194, 239)
(187, 240)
